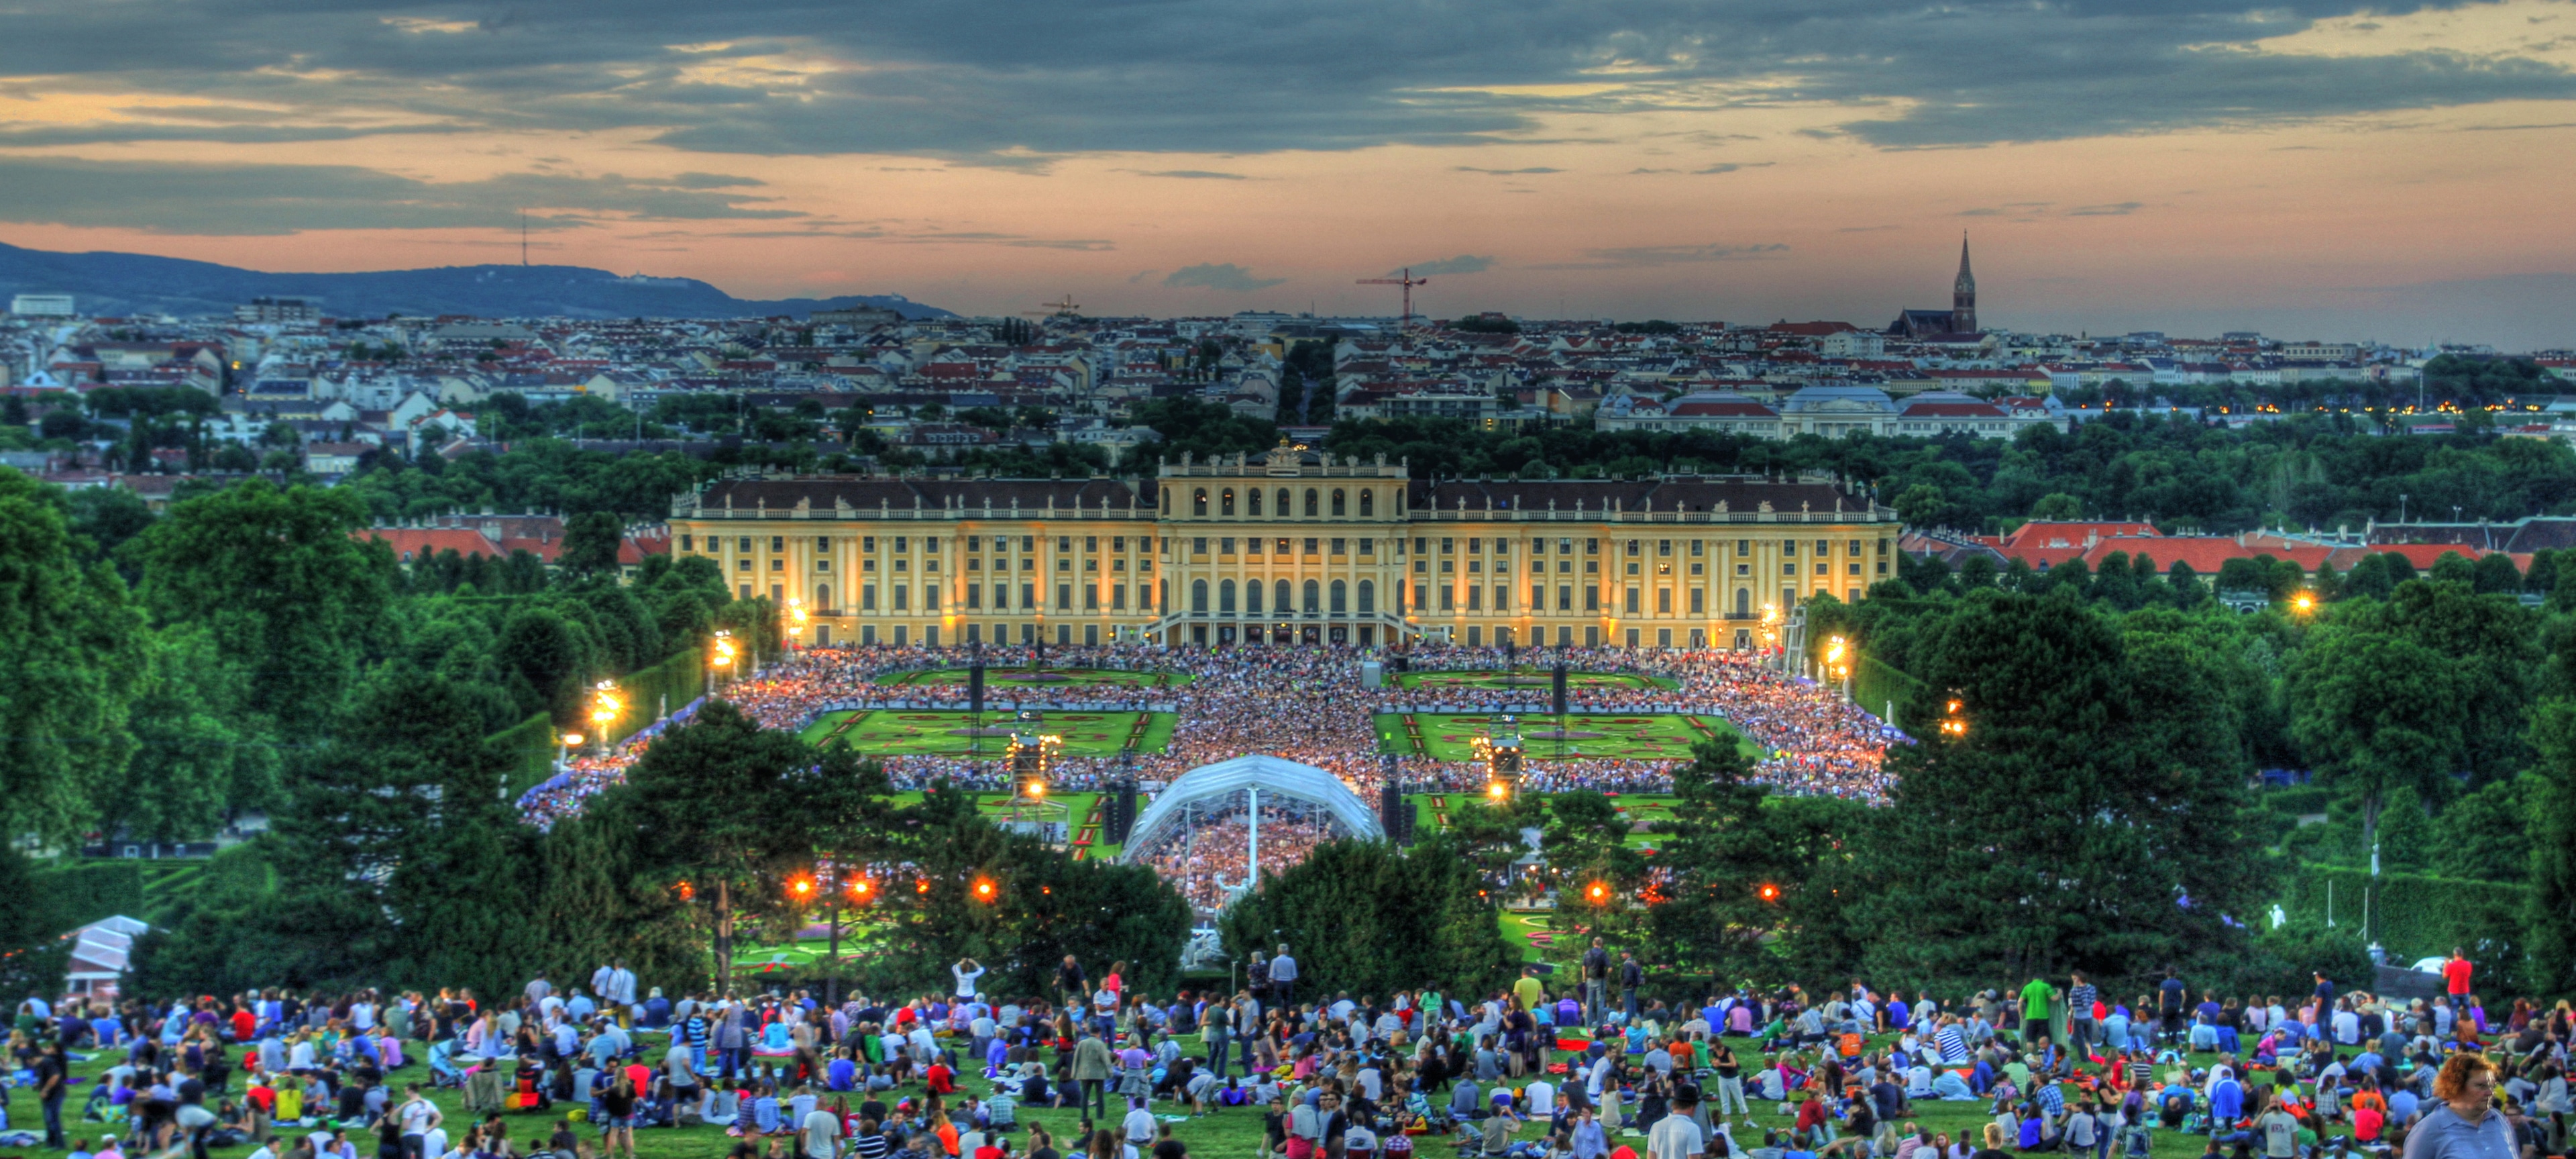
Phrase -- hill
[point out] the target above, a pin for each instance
(114, 283)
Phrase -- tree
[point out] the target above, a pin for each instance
(2550, 914)
(193, 761)
(291, 600)
(1369, 918)
(780, 800)
(71, 657)
(2091, 816)
(1725, 871)
(2486, 835)
(2374, 711)
(1600, 882)
(2057, 506)
(591, 542)
(33, 956)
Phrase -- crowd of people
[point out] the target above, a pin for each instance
(1538, 1070)
(1306, 704)
(1210, 861)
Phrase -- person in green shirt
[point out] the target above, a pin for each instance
(2034, 1012)
(1528, 990)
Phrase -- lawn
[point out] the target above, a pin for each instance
(1001, 680)
(1227, 1133)
(1450, 736)
(905, 732)
(1536, 681)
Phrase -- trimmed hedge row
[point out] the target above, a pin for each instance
(2416, 916)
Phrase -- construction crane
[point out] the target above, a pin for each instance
(1406, 280)
(1063, 309)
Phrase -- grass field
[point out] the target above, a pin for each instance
(1001, 680)
(1532, 680)
(1450, 736)
(902, 732)
(1227, 1134)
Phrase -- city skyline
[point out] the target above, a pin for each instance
(2308, 171)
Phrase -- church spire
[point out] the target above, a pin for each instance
(1963, 294)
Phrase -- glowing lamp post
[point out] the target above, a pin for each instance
(604, 707)
(719, 660)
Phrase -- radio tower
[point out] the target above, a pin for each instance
(523, 239)
(1406, 280)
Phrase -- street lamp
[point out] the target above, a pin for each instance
(1837, 663)
(795, 621)
(564, 746)
(720, 659)
(604, 707)
(1953, 725)
(2304, 602)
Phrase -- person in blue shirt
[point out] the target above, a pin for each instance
(2227, 1101)
(842, 1074)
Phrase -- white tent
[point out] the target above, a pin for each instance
(1271, 775)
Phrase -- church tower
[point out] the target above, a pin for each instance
(1963, 295)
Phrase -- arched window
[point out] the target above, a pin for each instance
(1341, 600)
(1225, 596)
(1368, 503)
(822, 596)
(1312, 498)
(1282, 509)
(1254, 496)
(1339, 507)
(1368, 590)
(1314, 597)
(1198, 596)
(1744, 601)
(1280, 606)
(1225, 502)
(1252, 591)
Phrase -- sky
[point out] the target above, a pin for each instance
(2309, 168)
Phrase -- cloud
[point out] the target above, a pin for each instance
(1507, 172)
(2115, 209)
(1191, 174)
(1632, 257)
(1462, 264)
(184, 198)
(1141, 275)
(1022, 86)
(1228, 276)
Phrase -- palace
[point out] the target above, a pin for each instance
(1291, 546)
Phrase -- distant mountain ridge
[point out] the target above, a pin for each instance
(104, 283)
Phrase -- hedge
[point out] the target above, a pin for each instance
(86, 891)
(2416, 916)
(1876, 683)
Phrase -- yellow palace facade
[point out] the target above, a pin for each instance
(1288, 547)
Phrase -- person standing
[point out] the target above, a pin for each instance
(2035, 1012)
(2171, 997)
(1092, 1067)
(1283, 979)
(53, 1081)
(417, 1116)
(2080, 996)
(1216, 1029)
(822, 1131)
(1631, 976)
(1596, 983)
(2456, 975)
(967, 971)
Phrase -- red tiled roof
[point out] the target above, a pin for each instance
(416, 543)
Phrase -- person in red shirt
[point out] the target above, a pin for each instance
(2366, 1123)
(245, 1024)
(943, 1081)
(2455, 974)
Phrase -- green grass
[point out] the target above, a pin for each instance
(1002, 680)
(1535, 681)
(907, 732)
(1450, 736)
(1232, 1132)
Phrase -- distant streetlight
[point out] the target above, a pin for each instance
(720, 659)
(604, 707)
